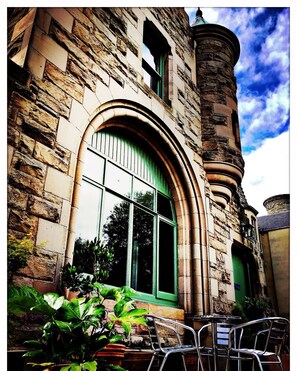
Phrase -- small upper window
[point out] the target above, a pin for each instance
(155, 53)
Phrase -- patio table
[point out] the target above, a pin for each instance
(214, 319)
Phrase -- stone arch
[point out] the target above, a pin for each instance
(192, 250)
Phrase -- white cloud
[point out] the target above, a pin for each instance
(267, 171)
(275, 50)
(268, 117)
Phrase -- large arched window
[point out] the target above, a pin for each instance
(126, 202)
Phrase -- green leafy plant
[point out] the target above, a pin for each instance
(252, 308)
(19, 251)
(92, 262)
(75, 330)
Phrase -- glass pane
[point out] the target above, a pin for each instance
(93, 166)
(164, 206)
(166, 258)
(88, 212)
(153, 81)
(148, 57)
(115, 233)
(118, 180)
(142, 254)
(143, 194)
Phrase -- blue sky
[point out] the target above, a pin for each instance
(263, 84)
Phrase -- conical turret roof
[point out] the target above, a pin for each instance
(199, 18)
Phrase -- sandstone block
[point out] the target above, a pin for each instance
(218, 245)
(35, 63)
(16, 198)
(41, 267)
(25, 182)
(26, 144)
(50, 157)
(43, 118)
(81, 74)
(68, 135)
(13, 136)
(47, 47)
(43, 208)
(38, 132)
(62, 16)
(81, 17)
(59, 183)
(52, 104)
(64, 81)
(29, 166)
(53, 235)
(22, 222)
(79, 116)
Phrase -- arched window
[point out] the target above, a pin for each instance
(126, 201)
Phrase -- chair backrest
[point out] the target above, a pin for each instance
(263, 334)
(277, 333)
(223, 330)
(222, 334)
(152, 330)
(168, 333)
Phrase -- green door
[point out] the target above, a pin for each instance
(240, 278)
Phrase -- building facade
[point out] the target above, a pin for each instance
(123, 124)
(274, 230)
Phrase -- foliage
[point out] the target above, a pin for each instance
(18, 253)
(19, 250)
(92, 262)
(115, 232)
(252, 308)
(75, 330)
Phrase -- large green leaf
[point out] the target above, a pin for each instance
(33, 353)
(54, 300)
(22, 298)
(63, 326)
(128, 291)
(112, 294)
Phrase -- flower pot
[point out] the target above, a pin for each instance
(71, 294)
(113, 353)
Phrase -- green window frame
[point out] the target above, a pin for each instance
(126, 201)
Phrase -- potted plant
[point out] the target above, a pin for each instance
(74, 331)
(92, 262)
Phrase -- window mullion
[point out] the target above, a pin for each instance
(130, 247)
(161, 73)
(156, 256)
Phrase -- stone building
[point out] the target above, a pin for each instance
(126, 118)
(274, 230)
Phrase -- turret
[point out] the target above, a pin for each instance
(217, 51)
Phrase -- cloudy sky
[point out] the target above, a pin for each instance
(263, 80)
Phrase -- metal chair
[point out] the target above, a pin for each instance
(260, 340)
(213, 341)
(170, 337)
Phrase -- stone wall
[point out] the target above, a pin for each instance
(76, 60)
(83, 69)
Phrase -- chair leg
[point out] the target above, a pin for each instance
(200, 364)
(184, 362)
(259, 362)
(151, 363)
(163, 362)
(280, 363)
